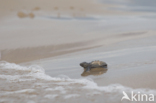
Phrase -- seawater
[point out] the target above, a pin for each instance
(30, 84)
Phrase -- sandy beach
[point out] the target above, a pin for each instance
(42, 44)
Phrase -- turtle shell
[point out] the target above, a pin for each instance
(96, 64)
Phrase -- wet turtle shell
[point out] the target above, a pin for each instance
(97, 64)
(93, 64)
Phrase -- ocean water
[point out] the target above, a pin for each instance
(30, 84)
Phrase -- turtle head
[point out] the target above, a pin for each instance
(84, 64)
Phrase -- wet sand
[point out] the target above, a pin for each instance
(57, 42)
(38, 40)
(129, 65)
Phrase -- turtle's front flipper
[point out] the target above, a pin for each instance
(88, 69)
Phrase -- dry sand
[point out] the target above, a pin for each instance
(57, 8)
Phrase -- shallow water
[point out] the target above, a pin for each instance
(133, 5)
(38, 85)
(32, 85)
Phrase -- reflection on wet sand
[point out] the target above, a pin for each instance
(33, 53)
(94, 71)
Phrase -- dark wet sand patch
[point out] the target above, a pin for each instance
(34, 53)
(21, 14)
(132, 34)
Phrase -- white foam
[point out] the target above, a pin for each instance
(60, 88)
(32, 68)
(71, 96)
(20, 91)
(25, 90)
(51, 96)
(63, 83)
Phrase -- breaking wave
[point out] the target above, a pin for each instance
(22, 84)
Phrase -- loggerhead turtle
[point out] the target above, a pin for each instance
(93, 64)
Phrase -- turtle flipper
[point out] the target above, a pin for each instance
(88, 69)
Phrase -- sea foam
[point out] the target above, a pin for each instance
(31, 82)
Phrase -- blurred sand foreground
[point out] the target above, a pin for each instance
(23, 39)
(52, 7)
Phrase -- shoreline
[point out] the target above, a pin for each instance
(29, 43)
